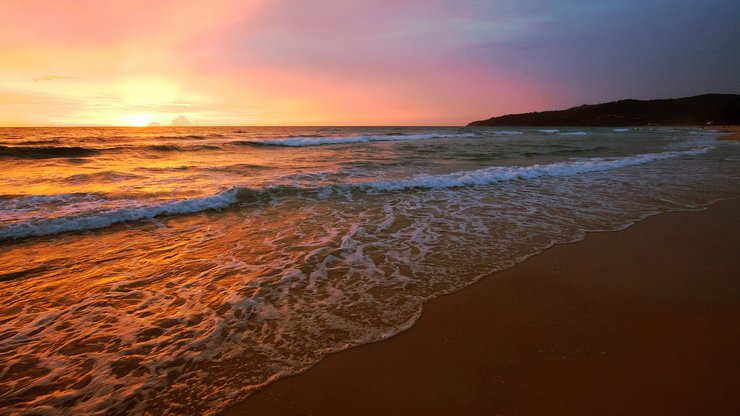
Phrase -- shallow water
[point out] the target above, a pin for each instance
(175, 270)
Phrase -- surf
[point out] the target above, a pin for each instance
(480, 177)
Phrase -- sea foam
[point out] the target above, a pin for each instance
(494, 174)
(90, 221)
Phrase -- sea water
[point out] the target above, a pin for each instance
(176, 270)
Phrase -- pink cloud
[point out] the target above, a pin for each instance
(88, 23)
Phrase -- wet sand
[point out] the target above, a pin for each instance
(644, 321)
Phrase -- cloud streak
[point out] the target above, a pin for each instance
(51, 78)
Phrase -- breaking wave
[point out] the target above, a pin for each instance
(90, 221)
(487, 176)
(479, 177)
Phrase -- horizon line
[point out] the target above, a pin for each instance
(227, 125)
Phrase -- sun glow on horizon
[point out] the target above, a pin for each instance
(140, 120)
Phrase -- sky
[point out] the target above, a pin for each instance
(359, 62)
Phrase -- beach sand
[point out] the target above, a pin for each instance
(644, 321)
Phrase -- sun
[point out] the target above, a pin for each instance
(139, 120)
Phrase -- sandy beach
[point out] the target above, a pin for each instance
(634, 322)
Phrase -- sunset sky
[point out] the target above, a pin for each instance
(361, 62)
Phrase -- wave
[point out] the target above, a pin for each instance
(107, 176)
(32, 142)
(565, 152)
(177, 148)
(155, 169)
(45, 152)
(32, 202)
(237, 168)
(164, 148)
(107, 218)
(490, 175)
(573, 133)
(49, 152)
(187, 137)
(321, 140)
(485, 176)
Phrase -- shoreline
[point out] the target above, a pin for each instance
(637, 321)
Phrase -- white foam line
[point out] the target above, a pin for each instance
(494, 174)
(110, 217)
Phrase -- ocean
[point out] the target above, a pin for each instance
(174, 270)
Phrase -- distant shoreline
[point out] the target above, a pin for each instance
(701, 110)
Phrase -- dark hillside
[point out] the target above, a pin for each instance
(714, 109)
